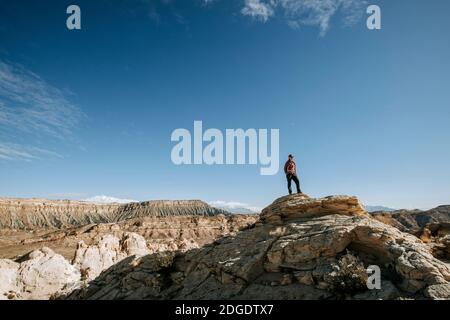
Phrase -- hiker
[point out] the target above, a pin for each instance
(290, 169)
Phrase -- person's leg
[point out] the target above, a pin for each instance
(289, 177)
(297, 183)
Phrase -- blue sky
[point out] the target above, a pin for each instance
(90, 112)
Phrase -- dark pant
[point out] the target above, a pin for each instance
(291, 177)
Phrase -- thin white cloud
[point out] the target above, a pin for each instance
(319, 12)
(11, 151)
(107, 199)
(234, 206)
(258, 10)
(296, 13)
(32, 108)
(299, 13)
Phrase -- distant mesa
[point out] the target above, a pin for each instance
(29, 214)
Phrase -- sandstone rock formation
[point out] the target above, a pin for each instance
(413, 221)
(440, 245)
(161, 233)
(37, 275)
(302, 206)
(431, 226)
(42, 274)
(29, 214)
(301, 249)
(8, 279)
(92, 260)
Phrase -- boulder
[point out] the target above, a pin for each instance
(91, 260)
(36, 276)
(8, 278)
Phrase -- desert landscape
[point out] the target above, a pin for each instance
(296, 248)
(224, 158)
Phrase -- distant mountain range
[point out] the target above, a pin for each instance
(235, 207)
(107, 199)
(238, 210)
(378, 208)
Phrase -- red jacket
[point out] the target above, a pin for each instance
(290, 167)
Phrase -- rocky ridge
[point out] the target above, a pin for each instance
(30, 214)
(301, 248)
(161, 233)
(414, 221)
(431, 226)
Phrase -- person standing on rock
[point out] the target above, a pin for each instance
(290, 169)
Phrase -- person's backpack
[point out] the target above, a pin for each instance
(290, 167)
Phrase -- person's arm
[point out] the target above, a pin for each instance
(285, 167)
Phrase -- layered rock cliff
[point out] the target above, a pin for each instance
(29, 214)
(161, 233)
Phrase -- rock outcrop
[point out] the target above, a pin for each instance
(42, 274)
(441, 249)
(8, 279)
(161, 233)
(92, 260)
(302, 206)
(301, 249)
(30, 214)
(38, 275)
(431, 226)
(437, 236)
(413, 221)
